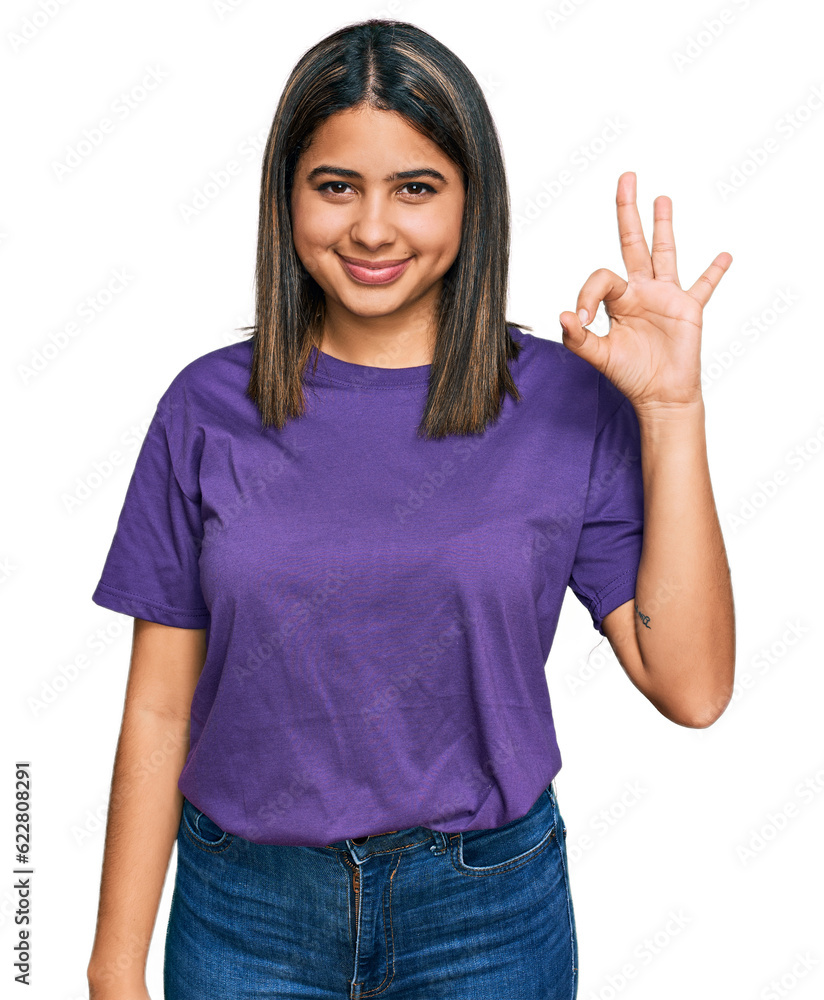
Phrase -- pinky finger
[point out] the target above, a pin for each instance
(708, 281)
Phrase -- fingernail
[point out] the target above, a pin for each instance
(583, 316)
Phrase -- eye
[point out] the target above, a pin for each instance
(328, 185)
(420, 184)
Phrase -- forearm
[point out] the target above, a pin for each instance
(688, 644)
(143, 819)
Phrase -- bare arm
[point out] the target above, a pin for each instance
(145, 803)
(677, 639)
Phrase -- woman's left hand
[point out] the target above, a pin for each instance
(652, 352)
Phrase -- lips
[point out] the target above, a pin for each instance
(377, 272)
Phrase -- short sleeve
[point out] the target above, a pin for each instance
(152, 567)
(605, 567)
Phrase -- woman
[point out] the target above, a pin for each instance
(346, 543)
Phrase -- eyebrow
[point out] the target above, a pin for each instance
(399, 175)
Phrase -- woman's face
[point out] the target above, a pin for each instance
(349, 202)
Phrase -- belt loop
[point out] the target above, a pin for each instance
(441, 843)
(353, 854)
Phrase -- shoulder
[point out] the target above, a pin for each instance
(553, 363)
(213, 377)
(544, 351)
(565, 376)
(216, 366)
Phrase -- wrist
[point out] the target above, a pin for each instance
(665, 412)
(106, 974)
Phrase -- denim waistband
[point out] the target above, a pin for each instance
(361, 848)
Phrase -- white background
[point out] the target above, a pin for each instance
(679, 821)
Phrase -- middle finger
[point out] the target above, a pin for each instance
(663, 241)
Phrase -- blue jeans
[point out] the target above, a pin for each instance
(412, 914)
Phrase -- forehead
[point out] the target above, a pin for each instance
(373, 142)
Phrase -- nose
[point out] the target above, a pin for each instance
(373, 226)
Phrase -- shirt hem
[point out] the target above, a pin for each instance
(142, 607)
(613, 596)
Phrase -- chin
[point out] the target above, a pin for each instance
(388, 302)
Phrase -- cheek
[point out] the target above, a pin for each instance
(310, 227)
(439, 235)
(315, 225)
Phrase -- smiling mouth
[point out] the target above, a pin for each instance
(374, 274)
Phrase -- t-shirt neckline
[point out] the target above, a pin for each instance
(334, 370)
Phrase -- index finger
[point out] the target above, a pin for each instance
(634, 247)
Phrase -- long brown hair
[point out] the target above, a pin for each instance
(393, 66)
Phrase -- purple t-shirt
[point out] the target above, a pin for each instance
(379, 608)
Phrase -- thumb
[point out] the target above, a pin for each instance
(578, 339)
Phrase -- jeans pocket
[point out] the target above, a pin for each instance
(202, 830)
(503, 848)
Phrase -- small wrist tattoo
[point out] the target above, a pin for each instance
(644, 618)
